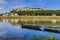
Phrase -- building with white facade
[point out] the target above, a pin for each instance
(27, 9)
(30, 9)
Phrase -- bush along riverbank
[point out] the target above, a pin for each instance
(30, 38)
(40, 38)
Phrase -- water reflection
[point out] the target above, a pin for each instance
(38, 22)
(11, 28)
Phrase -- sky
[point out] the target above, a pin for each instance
(8, 5)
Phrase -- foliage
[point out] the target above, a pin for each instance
(52, 38)
(40, 38)
(38, 12)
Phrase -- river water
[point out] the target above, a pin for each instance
(12, 28)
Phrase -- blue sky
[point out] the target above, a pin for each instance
(8, 5)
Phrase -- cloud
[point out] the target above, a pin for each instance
(0, 8)
(3, 2)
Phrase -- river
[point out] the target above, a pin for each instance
(12, 28)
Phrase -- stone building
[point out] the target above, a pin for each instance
(27, 9)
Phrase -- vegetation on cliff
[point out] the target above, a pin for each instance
(38, 12)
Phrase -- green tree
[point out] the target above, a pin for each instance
(52, 38)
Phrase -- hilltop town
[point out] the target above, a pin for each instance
(26, 11)
(20, 9)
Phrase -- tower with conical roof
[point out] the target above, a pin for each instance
(44, 5)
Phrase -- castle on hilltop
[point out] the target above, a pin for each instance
(22, 9)
(29, 9)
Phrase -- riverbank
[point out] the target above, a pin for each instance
(29, 17)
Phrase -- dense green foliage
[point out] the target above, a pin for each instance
(38, 12)
(40, 38)
(52, 38)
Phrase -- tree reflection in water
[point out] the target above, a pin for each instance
(37, 22)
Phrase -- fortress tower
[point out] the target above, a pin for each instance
(44, 8)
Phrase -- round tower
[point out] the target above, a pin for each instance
(44, 7)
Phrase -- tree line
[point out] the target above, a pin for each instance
(38, 12)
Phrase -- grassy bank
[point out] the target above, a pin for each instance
(29, 17)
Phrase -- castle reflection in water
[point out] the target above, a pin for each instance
(18, 22)
(14, 30)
